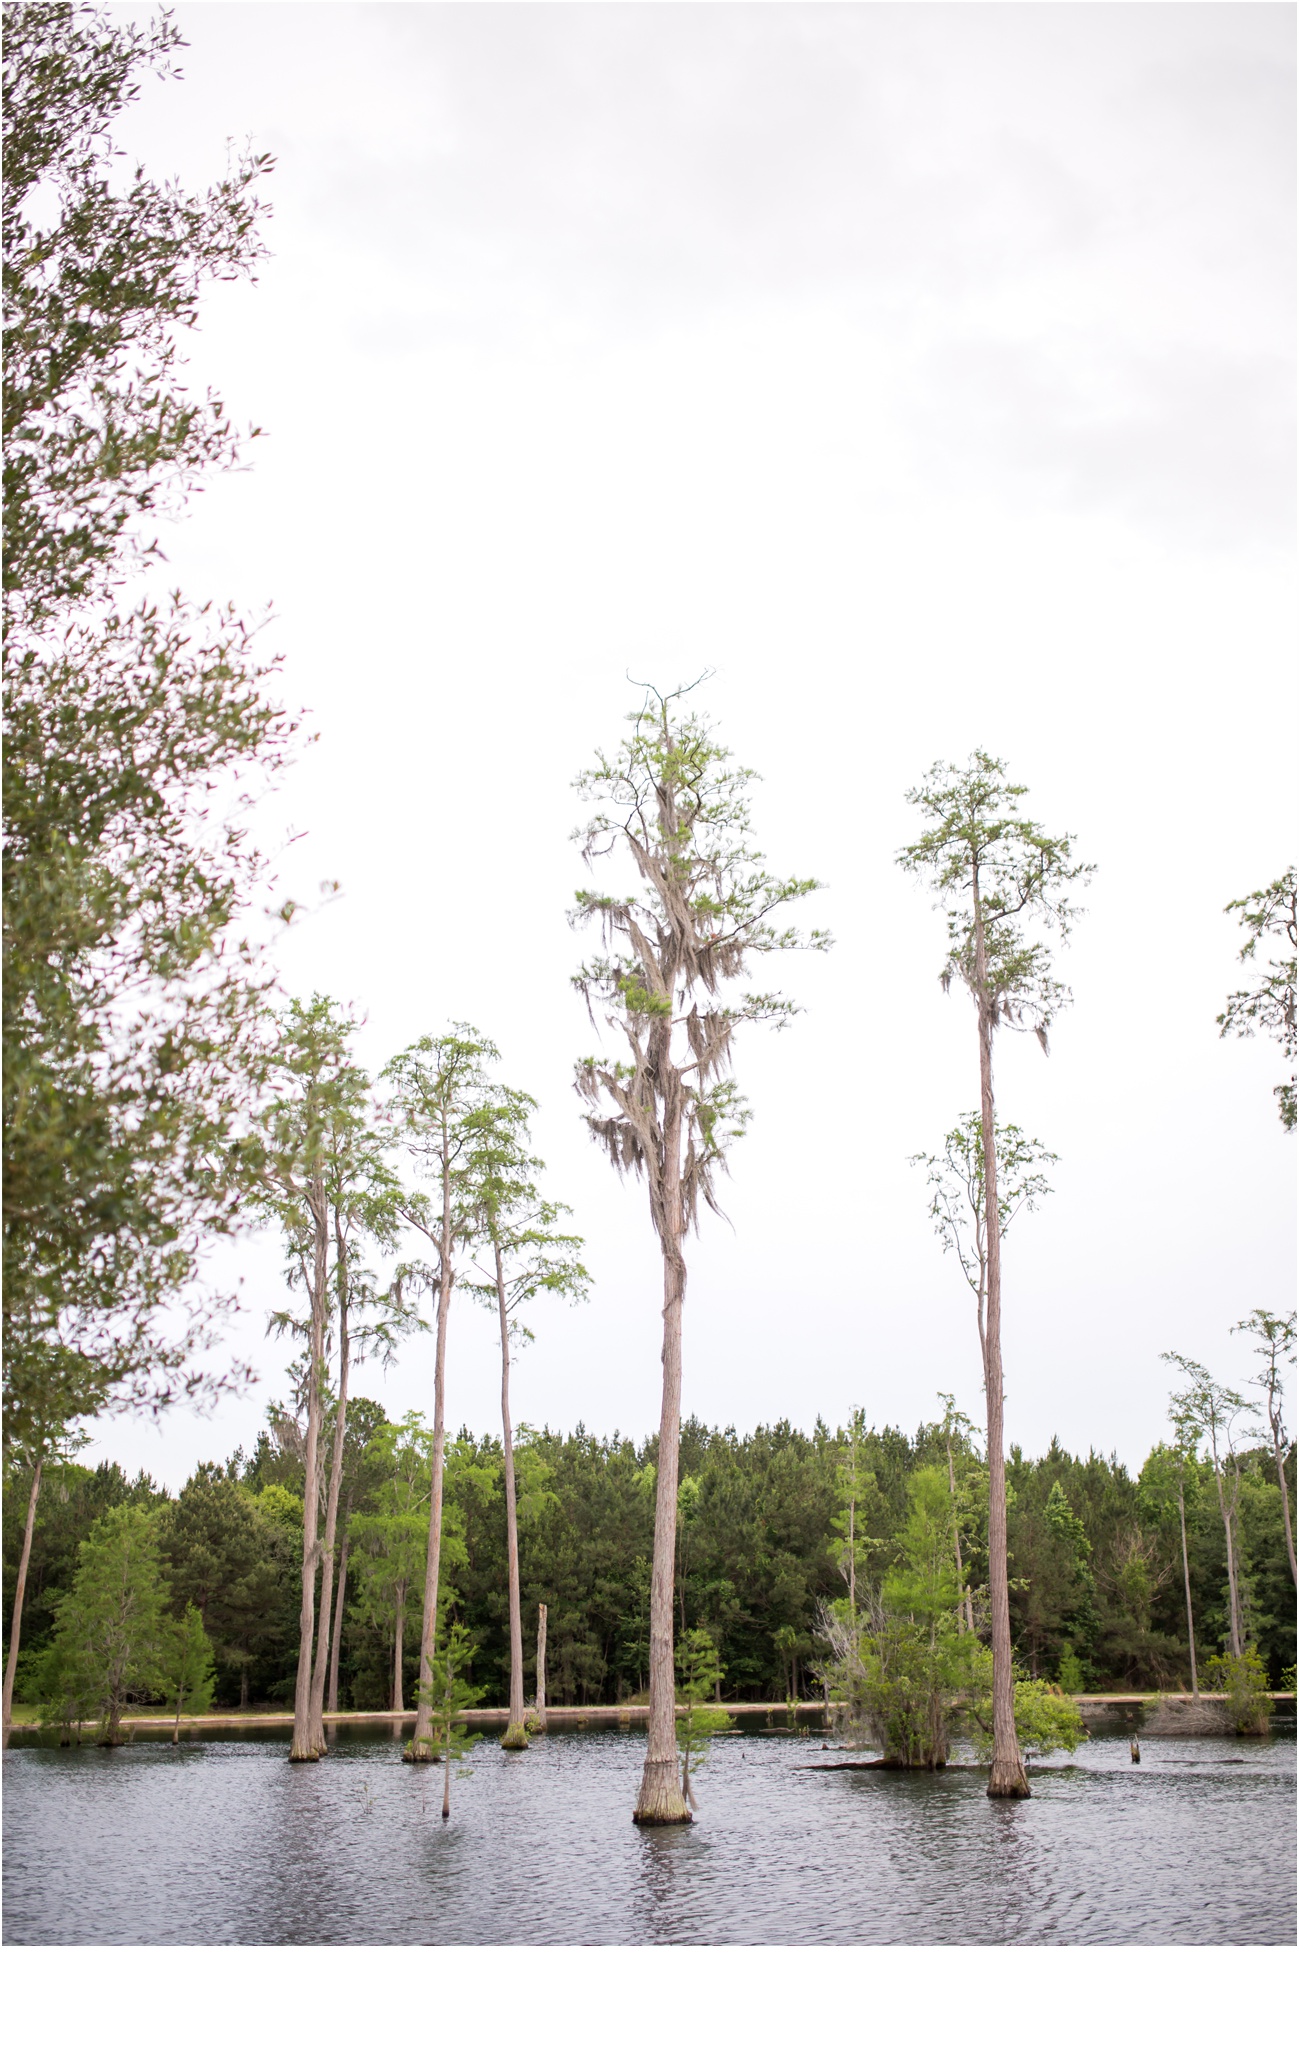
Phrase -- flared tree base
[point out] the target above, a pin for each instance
(661, 1804)
(515, 1736)
(1008, 1779)
(308, 1744)
(421, 1752)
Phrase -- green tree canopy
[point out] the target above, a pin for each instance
(137, 732)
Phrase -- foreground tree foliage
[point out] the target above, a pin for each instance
(137, 731)
(696, 909)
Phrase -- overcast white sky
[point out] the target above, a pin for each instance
(927, 371)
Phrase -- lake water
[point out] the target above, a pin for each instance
(223, 1841)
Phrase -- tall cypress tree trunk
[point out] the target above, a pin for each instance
(421, 1748)
(660, 1801)
(308, 1738)
(1186, 1580)
(339, 1598)
(516, 1733)
(16, 1621)
(321, 1671)
(1281, 1482)
(540, 1713)
(1233, 1589)
(1007, 1778)
(398, 1651)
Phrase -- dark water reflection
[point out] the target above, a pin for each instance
(224, 1842)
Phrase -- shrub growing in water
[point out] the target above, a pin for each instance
(1244, 1681)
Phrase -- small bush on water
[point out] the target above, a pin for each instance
(1244, 1681)
(1045, 1720)
(700, 1676)
(905, 1665)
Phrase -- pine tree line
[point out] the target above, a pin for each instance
(1096, 1583)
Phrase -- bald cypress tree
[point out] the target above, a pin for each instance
(997, 875)
(694, 908)
(523, 1252)
(438, 1090)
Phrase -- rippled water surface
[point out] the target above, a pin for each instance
(224, 1842)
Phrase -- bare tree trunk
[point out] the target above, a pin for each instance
(337, 1632)
(1007, 1778)
(516, 1733)
(981, 1300)
(956, 1541)
(540, 1713)
(446, 1783)
(321, 1671)
(1233, 1591)
(421, 1748)
(398, 1652)
(852, 1556)
(1186, 1580)
(1237, 1636)
(660, 1802)
(1279, 1454)
(308, 1737)
(16, 1621)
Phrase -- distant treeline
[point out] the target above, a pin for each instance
(1097, 1592)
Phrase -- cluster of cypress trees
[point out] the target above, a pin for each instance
(156, 1096)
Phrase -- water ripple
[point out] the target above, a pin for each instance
(223, 1842)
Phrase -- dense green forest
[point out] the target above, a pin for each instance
(1095, 1557)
